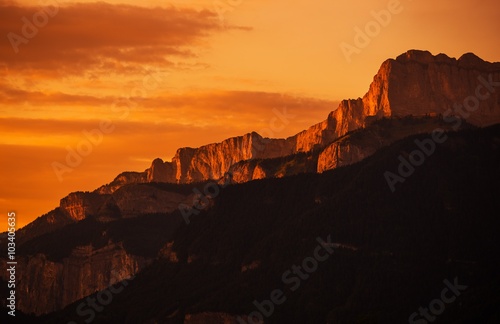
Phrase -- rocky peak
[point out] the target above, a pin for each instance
(161, 171)
(416, 56)
(472, 61)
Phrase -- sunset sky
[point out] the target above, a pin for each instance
(160, 75)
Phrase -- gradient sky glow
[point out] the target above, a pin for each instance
(192, 77)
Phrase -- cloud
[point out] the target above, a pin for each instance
(242, 111)
(100, 37)
(15, 96)
(250, 110)
(42, 127)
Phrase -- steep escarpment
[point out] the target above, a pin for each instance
(362, 143)
(345, 150)
(214, 160)
(125, 201)
(280, 167)
(418, 83)
(415, 83)
(129, 177)
(44, 285)
(316, 136)
(79, 205)
(82, 257)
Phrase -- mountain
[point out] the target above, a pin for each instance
(138, 222)
(392, 252)
(415, 83)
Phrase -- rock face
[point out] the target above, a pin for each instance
(146, 199)
(79, 205)
(415, 83)
(419, 83)
(316, 136)
(127, 178)
(275, 168)
(45, 286)
(124, 202)
(160, 172)
(342, 153)
(214, 160)
(360, 144)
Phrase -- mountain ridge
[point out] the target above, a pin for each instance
(409, 95)
(403, 86)
(236, 252)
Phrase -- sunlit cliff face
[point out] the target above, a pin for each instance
(138, 81)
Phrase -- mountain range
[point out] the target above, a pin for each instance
(201, 238)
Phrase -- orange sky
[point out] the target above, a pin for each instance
(167, 74)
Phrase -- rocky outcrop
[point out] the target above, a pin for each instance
(144, 199)
(44, 285)
(316, 136)
(273, 168)
(363, 143)
(127, 178)
(214, 160)
(79, 205)
(161, 172)
(342, 153)
(247, 171)
(49, 282)
(419, 83)
(125, 202)
(168, 253)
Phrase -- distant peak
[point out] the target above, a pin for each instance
(471, 60)
(416, 55)
(157, 161)
(470, 56)
(468, 60)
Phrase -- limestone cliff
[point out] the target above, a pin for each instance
(364, 142)
(44, 285)
(214, 160)
(418, 83)
(78, 205)
(415, 83)
(127, 178)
